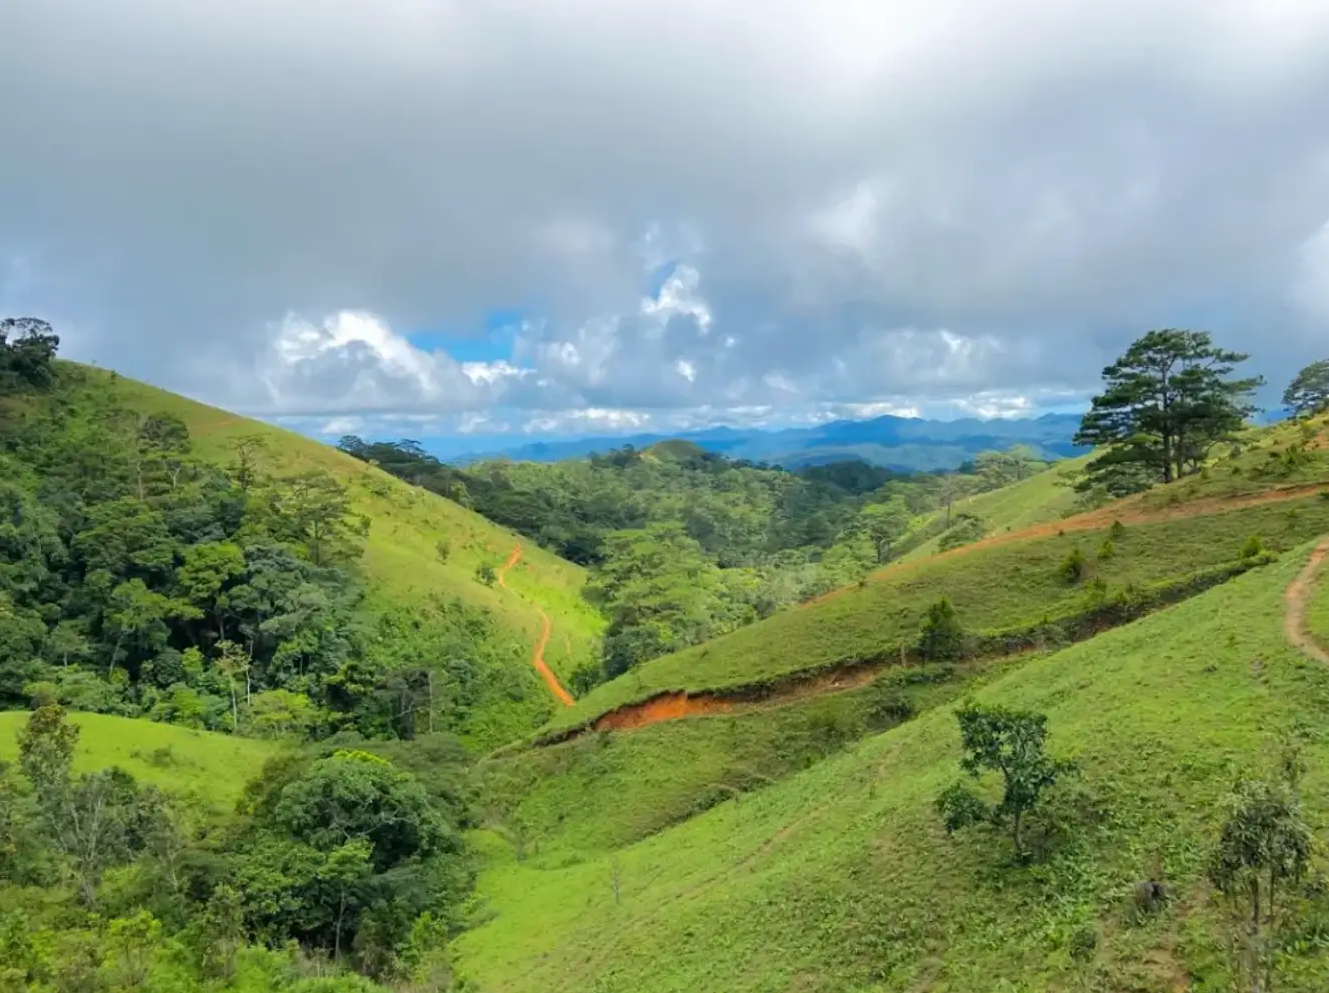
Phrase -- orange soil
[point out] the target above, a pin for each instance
(538, 655)
(1129, 511)
(1298, 593)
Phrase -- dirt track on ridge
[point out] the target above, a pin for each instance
(1128, 511)
(538, 653)
(1297, 597)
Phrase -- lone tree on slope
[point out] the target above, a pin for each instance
(1165, 404)
(1011, 742)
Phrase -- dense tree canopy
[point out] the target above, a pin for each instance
(1309, 390)
(137, 579)
(1165, 404)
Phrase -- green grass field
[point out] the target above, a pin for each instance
(211, 767)
(994, 588)
(841, 877)
(602, 791)
(1040, 498)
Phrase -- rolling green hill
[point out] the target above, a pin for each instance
(1006, 587)
(1042, 497)
(407, 524)
(842, 878)
(402, 561)
(200, 764)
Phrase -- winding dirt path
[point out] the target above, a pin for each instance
(1297, 597)
(538, 655)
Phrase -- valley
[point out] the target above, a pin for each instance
(282, 716)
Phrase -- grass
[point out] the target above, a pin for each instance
(1259, 461)
(993, 588)
(401, 560)
(841, 877)
(1040, 498)
(602, 791)
(210, 767)
(1317, 613)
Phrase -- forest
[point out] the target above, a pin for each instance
(684, 544)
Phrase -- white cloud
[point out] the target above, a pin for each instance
(1310, 289)
(858, 202)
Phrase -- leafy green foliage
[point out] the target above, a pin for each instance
(967, 529)
(1012, 743)
(661, 594)
(1074, 565)
(338, 850)
(1263, 852)
(1308, 393)
(136, 579)
(1166, 403)
(941, 636)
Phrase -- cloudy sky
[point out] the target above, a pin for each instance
(441, 216)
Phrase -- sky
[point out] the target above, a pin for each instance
(517, 217)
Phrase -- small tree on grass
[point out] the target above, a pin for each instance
(486, 573)
(1252, 548)
(941, 637)
(1264, 850)
(1011, 742)
(1074, 566)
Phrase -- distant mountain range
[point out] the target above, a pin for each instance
(902, 443)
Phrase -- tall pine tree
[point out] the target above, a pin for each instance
(1167, 402)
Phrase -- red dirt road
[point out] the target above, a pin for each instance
(538, 655)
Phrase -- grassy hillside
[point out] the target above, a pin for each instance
(842, 878)
(1002, 587)
(204, 765)
(1040, 498)
(401, 555)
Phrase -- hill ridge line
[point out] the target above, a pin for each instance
(1127, 511)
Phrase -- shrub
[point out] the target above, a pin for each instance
(1074, 566)
(1117, 531)
(1253, 547)
(443, 549)
(1107, 549)
(942, 636)
(887, 706)
(485, 573)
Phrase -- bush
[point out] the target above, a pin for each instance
(443, 549)
(966, 530)
(486, 574)
(1074, 566)
(1107, 550)
(887, 706)
(1253, 547)
(942, 636)
(1117, 531)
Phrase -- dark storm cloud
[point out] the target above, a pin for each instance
(873, 203)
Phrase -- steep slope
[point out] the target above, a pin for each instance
(842, 877)
(407, 525)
